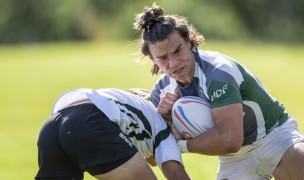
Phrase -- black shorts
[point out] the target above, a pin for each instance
(78, 139)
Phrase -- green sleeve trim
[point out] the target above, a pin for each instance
(222, 94)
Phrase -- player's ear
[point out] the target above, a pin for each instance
(151, 57)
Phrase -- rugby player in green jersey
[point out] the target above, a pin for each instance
(254, 136)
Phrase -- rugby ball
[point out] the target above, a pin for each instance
(191, 116)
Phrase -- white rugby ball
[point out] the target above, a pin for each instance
(191, 116)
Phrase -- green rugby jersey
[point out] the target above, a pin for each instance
(222, 81)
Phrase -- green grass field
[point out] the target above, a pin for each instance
(33, 76)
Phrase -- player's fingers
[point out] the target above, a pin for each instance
(164, 111)
(173, 96)
(175, 133)
(177, 93)
(167, 101)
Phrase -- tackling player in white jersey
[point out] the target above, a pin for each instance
(106, 132)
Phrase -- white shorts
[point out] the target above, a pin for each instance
(258, 161)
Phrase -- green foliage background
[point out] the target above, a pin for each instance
(56, 20)
(33, 76)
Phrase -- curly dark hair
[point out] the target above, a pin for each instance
(155, 26)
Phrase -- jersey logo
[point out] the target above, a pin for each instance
(126, 139)
(137, 116)
(219, 92)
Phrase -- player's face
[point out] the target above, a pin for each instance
(174, 57)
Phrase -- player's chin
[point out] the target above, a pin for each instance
(177, 71)
(176, 76)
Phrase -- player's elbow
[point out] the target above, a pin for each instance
(174, 170)
(232, 145)
(233, 148)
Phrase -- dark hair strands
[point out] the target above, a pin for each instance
(155, 26)
(149, 17)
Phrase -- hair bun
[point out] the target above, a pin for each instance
(150, 16)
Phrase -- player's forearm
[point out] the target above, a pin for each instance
(173, 170)
(215, 142)
(225, 137)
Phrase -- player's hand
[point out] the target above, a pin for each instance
(174, 132)
(166, 103)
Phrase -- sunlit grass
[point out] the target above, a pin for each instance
(33, 76)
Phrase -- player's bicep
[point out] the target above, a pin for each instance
(229, 120)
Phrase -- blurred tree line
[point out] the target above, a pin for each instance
(58, 20)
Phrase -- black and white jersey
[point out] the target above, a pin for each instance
(136, 117)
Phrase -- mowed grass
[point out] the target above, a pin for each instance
(33, 76)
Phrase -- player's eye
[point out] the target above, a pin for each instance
(178, 50)
(162, 58)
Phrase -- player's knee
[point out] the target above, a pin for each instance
(134, 168)
(290, 166)
(139, 168)
(279, 173)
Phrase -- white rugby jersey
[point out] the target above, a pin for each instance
(221, 80)
(136, 117)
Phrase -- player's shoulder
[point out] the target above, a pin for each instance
(212, 61)
(211, 56)
(163, 82)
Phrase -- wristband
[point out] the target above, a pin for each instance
(182, 144)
